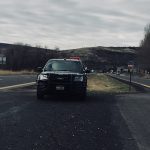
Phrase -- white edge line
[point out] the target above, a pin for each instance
(17, 86)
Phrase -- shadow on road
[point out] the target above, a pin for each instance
(92, 97)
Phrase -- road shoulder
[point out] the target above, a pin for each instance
(135, 108)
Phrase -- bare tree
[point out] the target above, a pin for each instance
(23, 56)
(144, 52)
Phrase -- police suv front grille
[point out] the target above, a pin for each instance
(60, 78)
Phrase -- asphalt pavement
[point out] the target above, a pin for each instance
(16, 79)
(62, 123)
(135, 109)
(101, 122)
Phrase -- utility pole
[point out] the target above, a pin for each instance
(130, 80)
(130, 67)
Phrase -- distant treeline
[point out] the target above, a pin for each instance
(22, 56)
(144, 53)
(26, 57)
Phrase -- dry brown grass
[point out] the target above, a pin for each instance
(103, 83)
(10, 72)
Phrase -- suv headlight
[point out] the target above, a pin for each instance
(78, 78)
(43, 77)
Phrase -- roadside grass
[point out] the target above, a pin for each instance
(22, 72)
(105, 84)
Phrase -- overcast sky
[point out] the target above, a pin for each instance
(74, 23)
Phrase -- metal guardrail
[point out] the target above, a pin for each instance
(139, 86)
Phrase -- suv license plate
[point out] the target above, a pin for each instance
(60, 88)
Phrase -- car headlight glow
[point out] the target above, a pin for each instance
(78, 78)
(43, 77)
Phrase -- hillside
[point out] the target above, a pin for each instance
(102, 57)
(93, 57)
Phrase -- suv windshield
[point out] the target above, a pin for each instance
(64, 65)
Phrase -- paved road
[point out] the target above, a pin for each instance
(16, 79)
(135, 109)
(61, 123)
(134, 79)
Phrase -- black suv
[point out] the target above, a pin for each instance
(62, 76)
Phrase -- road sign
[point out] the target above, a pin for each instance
(130, 67)
(2, 60)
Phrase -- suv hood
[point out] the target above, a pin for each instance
(61, 72)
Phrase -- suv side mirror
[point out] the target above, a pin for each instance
(87, 70)
(39, 69)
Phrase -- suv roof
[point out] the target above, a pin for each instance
(67, 59)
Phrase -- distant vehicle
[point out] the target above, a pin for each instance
(62, 76)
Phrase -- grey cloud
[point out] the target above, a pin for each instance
(72, 23)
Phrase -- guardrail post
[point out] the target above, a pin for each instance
(130, 81)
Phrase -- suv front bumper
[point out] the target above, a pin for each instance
(68, 88)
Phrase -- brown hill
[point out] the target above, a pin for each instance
(103, 57)
(25, 56)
